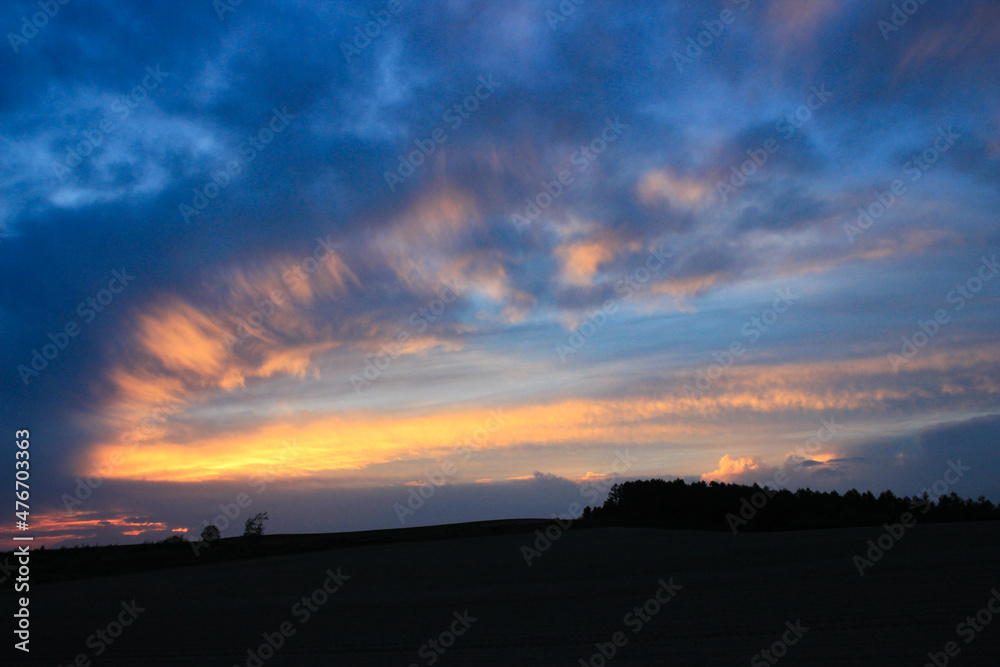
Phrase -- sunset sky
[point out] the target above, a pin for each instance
(508, 250)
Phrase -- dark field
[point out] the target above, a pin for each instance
(738, 593)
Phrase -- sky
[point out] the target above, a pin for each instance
(379, 264)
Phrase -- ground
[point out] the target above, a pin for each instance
(737, 596)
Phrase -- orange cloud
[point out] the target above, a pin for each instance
(425, 248)
(421, 242)
(50, 529)
(664, 185)
(346, 441)
(181, 352)
(579, 261)
(182, 356)
(357, 439)
(730, 468)
(687, 287)
(186, 342)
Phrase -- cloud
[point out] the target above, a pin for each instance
(580, 261)
(733, 468)
(663, 185)
(908, 465)
(198, 355)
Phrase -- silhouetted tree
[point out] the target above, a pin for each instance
(614, 495)
(210, 533)
(255, 525)
(677, 504)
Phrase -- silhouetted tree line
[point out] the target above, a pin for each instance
(738, 507)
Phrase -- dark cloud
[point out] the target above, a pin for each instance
(907, 465)
(788, 210)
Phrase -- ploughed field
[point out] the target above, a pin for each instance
(615, 596)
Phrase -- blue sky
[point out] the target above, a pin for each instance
(248, 238)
